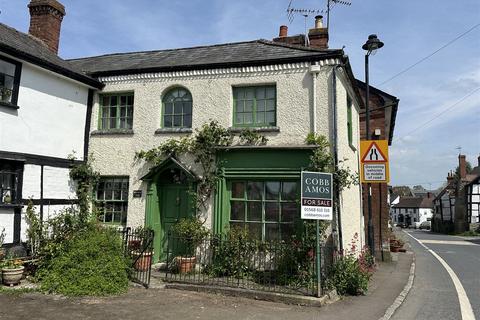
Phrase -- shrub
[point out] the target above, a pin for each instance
(191, 232)
(88, 263)
(349, 274)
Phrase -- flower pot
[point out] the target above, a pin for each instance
(144, 261)
(12, 277)
(186, 264)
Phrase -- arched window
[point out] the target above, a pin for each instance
(177, 109)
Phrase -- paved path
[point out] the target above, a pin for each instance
(141, 304)
(434, 294)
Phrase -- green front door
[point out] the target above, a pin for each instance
(174, 205)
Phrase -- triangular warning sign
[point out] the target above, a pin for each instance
(374, 154)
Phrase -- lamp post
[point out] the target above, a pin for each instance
(372, 44)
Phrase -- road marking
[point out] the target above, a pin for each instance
(455, 242)
(465, 306)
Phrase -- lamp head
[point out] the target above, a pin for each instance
(372, 44)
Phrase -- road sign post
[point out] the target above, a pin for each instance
(317, 204)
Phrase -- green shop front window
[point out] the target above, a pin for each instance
(255, 106)
(266, 209)
(112, 200)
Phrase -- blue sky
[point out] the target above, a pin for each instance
(421, 153)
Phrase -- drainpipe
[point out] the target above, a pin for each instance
(337, 223)
(314, 71)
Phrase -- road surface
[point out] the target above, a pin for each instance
(447, 278)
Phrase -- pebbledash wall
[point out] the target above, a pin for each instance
(211, 91)
(48, 126)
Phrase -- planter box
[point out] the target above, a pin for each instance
(144, 261)
(11, 277)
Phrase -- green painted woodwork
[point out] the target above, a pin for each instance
(177, 108)
(254, 106)
(168, 201)
(254, 164)
(115, 114)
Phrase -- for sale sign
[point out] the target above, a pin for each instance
(317, 189)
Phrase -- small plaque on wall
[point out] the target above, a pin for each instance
(137, 193)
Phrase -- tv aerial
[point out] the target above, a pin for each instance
(292, 11)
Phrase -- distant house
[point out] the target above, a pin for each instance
(44, 103)
(412, 211)
(457, 204)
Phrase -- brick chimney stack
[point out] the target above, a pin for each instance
(318, 36)
(45, 22)
(283, 32)
(462, 165)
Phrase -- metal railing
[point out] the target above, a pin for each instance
(277, 266)
(138, 246)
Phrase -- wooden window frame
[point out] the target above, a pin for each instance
(263, 201)
(101, 203)
(118, 117)
(16, 83)
(254, 111)
(173, 114)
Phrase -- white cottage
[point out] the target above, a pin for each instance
(282, 91)
(43, 110)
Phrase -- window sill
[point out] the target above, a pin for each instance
(9, 105)
(112, 132)
(254, 129)
(173, 130)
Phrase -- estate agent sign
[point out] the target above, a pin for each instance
(374, 166)
(317, 195)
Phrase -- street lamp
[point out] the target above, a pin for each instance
(372, 44)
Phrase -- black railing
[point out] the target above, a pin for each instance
(286, 267)
(138, 246)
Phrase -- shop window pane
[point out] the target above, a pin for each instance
(238, 190)
(254, 230)
(272, 190)
(272, 232)
(237, 211)
(289, 211)
(254, 211)
(289, 191)
(272, 211)
(287, 231)
(254, 190)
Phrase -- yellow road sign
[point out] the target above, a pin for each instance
(374, 161)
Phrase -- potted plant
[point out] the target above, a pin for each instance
(139, 250)
(6, 94)
(7, 199)
(12, 272)
(189, 233)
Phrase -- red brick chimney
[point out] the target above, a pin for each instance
(462, 165)
(45, 21)
(283, 32)
(318, 36)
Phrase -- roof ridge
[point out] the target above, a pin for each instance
(164, 50)
(294, 46)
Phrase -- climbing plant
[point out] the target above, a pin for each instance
(202, 145)
(86, 178)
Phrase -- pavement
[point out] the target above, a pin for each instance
(434, 294)
(386, 284)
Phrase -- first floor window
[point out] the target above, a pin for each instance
(177, 109)
(255, 106)
(266, 209)
(10, 172)
(112, 200)
(9, 80)
(116, 111)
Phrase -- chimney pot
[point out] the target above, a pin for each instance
(45, 22)
(283, 31)
(318, 22)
